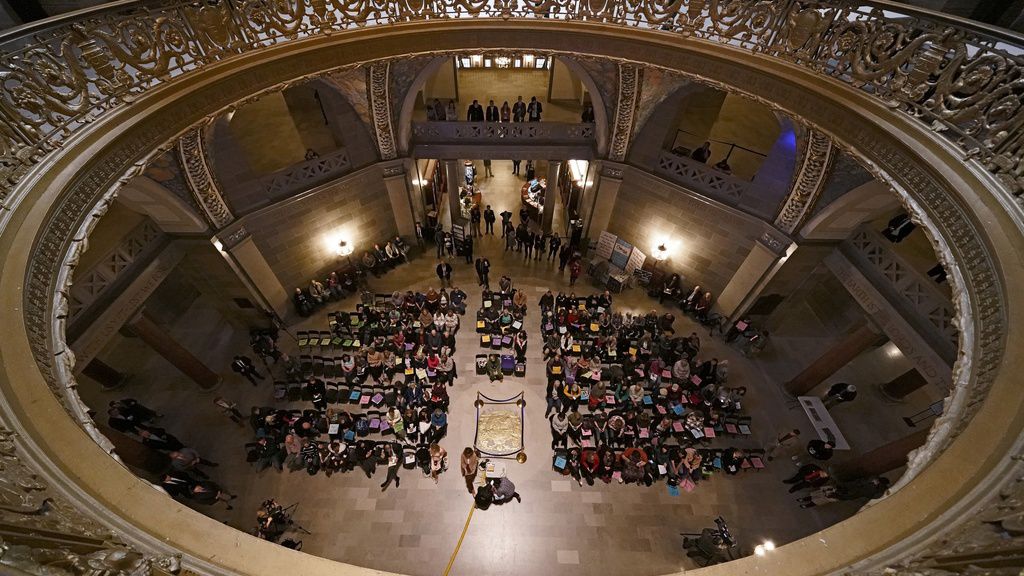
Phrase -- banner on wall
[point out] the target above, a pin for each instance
(621, 253)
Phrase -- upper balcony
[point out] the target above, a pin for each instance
(504, 140)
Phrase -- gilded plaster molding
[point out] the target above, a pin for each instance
(810, 180)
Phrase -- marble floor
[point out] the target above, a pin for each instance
(607, 529)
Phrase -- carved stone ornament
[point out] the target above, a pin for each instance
(380, 109)
(114, 561)
(625, 110)
(201, 180)
(811, 177)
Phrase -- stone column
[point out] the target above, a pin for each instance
(849, 347)
(760, 265)
(901, 386)
(605, 195)
(398, 194)
(167, 347)
(107, 376)
(551, 195)
(454, 177)
(882, 459)
(248, 263)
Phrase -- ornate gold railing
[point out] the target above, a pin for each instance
(958, 78)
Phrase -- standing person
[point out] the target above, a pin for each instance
(438, 461)
(588, 115)
(439, 239)
(450, 113)
(487, 168)
(479, 273)
(489, 220)
(563, 257)
(439, 113)
(702, 154)
(243, 366)
(574, 271)
(485, 270)
(229, 409)
(506, 220)
(553, 246)
(534, 110)
(444, 272)
(528, 245)
(531, 170)
(475, 217)
(475, 113)
(783, 440)
(519, 110)
(492, 112)
(393, 466)
(839, 393)
(538, 245)
(506, 113)
(469, 462)
(515, 166)
(467, 248)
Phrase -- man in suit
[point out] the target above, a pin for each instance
(492, 112)
(515, 166)
(489, 220)
(243, 365)
(519, 110)
(534, 110)
(475, 113)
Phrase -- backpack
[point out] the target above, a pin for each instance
(362, 427)
(484, 497)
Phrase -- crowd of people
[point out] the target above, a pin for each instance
(337, 286)
(382, 403)
(630, 402)
(176, 465)
(500, 323)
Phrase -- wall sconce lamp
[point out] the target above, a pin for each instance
(345, 249)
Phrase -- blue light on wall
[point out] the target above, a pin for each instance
(788, 139)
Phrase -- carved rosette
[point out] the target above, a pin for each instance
(809, 182)
(380, 110)
(192, 149)
(625, 110)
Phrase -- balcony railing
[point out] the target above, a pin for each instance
(507, 133)
(304, 175)
(957, 78)
(702, 178)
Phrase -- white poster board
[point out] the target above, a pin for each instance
(605, 244)
(620, 253)
(636, 261)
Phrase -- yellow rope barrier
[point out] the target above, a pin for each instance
(458, 544)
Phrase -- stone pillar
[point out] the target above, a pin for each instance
(901, 386)
(849, 347)
(760, 265)
(248, 263)
(605, 196)
(167, 347)
(107, 376)
(398, 194)
(882, 459)
(551, 195)
(454, 177)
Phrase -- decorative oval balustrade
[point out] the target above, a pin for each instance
(302, 176)
(955, 77)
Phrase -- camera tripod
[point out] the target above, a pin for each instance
(288, 512)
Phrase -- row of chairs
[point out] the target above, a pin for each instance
(340, 393)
